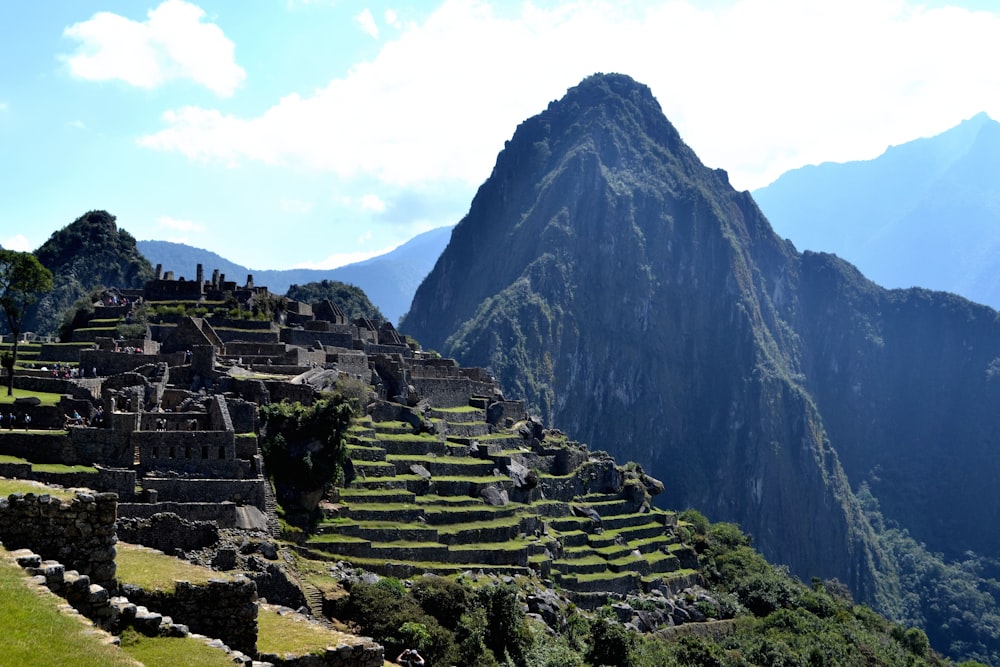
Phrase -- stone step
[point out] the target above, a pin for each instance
(412, 551)
(441, 465)
(643, 531)
(490, 554)
(352, 495)
(468, 429)
(590, 565)
(617, 522)
(365, 453)
(342, 545)
(413, 445)
(379, 531)
(392, 428)
(502, 530)
(612, 582)
(571, 523)
(389, 512)
(382, 483)
(469, 486)
(443, 515)
(365, 469)
(458, 415)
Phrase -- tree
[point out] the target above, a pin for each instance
(22, 280)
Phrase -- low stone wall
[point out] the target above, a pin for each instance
(221, 608)
(444, 392)
(200, 490)
(50, 448)
(167, 531)
(222, 514)
(79, 533)
(306, 338)
(108, 362)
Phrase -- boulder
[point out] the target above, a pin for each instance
(494, 496)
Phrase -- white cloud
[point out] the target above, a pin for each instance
(342, 259)
(180, 225)
(173, 43)
(18, 242)
(372, 204)
(391, 18)
(754, 86)
(367, 22)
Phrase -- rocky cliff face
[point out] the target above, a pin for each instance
(640, 302)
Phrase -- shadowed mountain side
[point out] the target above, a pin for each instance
(923, 213)
(908, 382)
(636, 299)
(389, 280)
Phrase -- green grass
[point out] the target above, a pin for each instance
(460, 409)
(172, 651)
(59, 468)
(9, 486)
(155, 571)
(286, 633)
(34, 632)
(45, 397)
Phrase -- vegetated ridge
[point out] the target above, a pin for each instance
(91, 252)
(641, 303)
(924, 213)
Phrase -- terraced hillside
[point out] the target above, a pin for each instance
(461, 498)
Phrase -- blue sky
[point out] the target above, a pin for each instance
(282, 133)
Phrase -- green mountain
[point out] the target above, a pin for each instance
(923, 213)
(641, 303)
(89, 253)
(389, 280)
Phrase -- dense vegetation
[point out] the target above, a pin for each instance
(304, 448)
(351, 299)
(90, 252)
(779, 621)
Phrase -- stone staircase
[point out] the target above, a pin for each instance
(414, 506)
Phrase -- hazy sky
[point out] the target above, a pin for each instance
(283, 133)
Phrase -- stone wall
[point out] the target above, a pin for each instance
(338, 336)
(444, 392)
(222, 514)
(199, 490)
(79, 533)
(113, 363)
(210, 453)
(167, 531)
(221, 608)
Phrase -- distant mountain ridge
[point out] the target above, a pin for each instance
(389, 280)
(925, 213)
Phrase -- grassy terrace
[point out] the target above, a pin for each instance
(33, 630)
(56, 468)
(45, 397)
(152, 570)
(172, 651)
(9, 486)
(281, 634)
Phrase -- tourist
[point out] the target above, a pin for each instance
(410, 658)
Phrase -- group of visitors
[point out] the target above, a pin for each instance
(10, 420)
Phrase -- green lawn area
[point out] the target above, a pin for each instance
(289, 633)
(9, 486)
(34, 632)
(45, 397)
(172, 651)
(152, 570)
